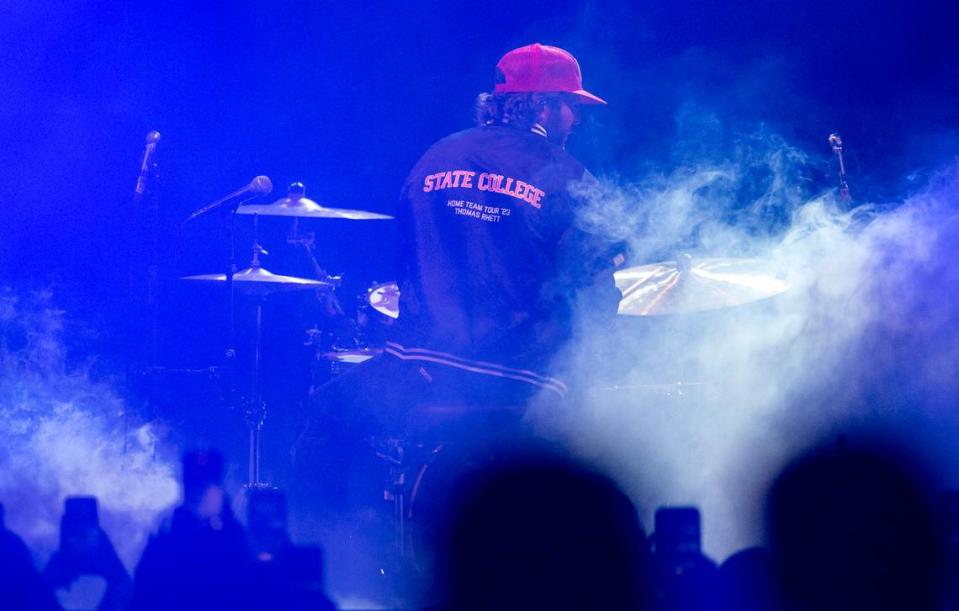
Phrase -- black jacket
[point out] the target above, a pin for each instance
(491, 258)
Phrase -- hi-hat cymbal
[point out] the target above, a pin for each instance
(259, 281)
(695, 285)
(296, 204)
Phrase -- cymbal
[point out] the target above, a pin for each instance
(296, 204)
(256, 280)
(306, 208)
(695, 285)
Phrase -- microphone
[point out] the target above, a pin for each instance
(260, 185)
(152, 138)
(836, 142)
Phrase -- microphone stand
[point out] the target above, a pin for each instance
(146, 199)
(146, 211)
(153, 269)
(836, 142)
(229, 354)
(254, 412)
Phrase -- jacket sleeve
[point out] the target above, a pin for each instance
(586, 257)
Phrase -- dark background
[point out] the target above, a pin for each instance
(345, 96)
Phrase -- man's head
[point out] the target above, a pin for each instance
(537, 84)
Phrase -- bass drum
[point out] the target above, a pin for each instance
(434, 492)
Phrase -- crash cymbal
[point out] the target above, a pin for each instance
(256, 280)
(695, 285)
(296, 204)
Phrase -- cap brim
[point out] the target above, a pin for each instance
(585, 97)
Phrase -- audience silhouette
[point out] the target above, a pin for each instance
(849, 529)
(285, 575)
(685, 579)
(541, 532)
(21, 585)
(854, 529)
(200, 558)
(85, 549)
(747, 582)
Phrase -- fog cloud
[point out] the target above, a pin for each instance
(705, 408)
(66, 433)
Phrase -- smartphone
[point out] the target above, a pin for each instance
(80, 524)
(677, 532)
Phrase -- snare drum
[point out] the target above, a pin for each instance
(332, 356)
(352, 356)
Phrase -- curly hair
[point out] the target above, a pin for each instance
(518, 110)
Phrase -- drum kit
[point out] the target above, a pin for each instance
(675, 289)
(258, 283)
(679, 287)
(683, 286)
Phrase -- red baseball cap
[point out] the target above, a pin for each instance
(538, 68)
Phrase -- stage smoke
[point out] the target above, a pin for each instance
(65, 433)
(705, 408)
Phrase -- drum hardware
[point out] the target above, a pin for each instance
(407, 462)
(307, 241)
(260, 185)
(258, 283)
(689, 285)
(327, 299)
(674, 390)
(440, 444)
(296, 204)
(393, 452)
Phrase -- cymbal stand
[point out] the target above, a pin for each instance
(256, 408)
(327, 296)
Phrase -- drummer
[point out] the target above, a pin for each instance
(491, 256)
(491, 259)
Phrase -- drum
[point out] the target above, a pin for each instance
(446, 445)
(332, 355)
(350, 356)
(385, 299)
(377, 310)
(438, 468)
